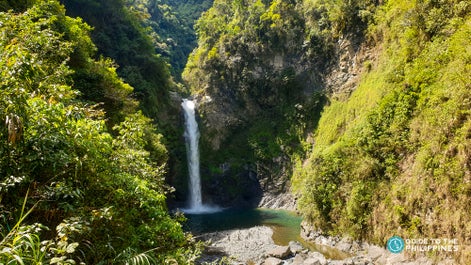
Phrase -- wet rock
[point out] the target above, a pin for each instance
(255, 246)
(221, 186)
(298, 260)
(280, 252)
(316, 256)
(295, 247)
(312, 261)
(273, 261)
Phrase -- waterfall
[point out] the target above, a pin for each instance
(192, 136)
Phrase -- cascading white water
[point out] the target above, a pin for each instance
(192, 136)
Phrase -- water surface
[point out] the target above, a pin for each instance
(286, 226)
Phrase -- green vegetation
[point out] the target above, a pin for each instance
(172, 25)
(118, 34)
(89, 134)
(95, 179)
(135, 31)
(390, 158)
(142, 37)
(241, 63)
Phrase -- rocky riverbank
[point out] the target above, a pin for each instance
(241, 246)
(255, 246)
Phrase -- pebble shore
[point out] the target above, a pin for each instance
(255, 246)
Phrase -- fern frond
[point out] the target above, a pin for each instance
(130, 257)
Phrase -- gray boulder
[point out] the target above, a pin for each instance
(295, 247)
(273, 261)
(280, 252)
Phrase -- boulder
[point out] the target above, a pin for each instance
(316, 256)
(295, 247)
(280, 252)
(273, 261)
(243, 244)
(375, 252)
(365, 261)
(312, 261)
(298, 260)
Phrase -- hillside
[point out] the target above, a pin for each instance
(82, 169)
(357, 113)
(149, 41)
(172, 27)
(118, 33)
(361, 109)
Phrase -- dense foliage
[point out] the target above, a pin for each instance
(362, 108)
(391, 157)
(400, 163)
(118, 34)
(172, 25)
(142, 37)
(77, 184)
(259, 74)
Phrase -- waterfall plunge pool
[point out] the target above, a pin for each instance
(286, 226)
(205, 219)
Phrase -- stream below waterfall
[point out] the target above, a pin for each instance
(286, 226)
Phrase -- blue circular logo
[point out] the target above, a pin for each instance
(395, 244)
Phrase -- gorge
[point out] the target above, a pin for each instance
(354, 114)
(335, 102)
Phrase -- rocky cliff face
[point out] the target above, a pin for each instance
(260, 92)
(352, 56)
(396, 118)
(228, 113)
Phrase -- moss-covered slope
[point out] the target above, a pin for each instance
(390, 153)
